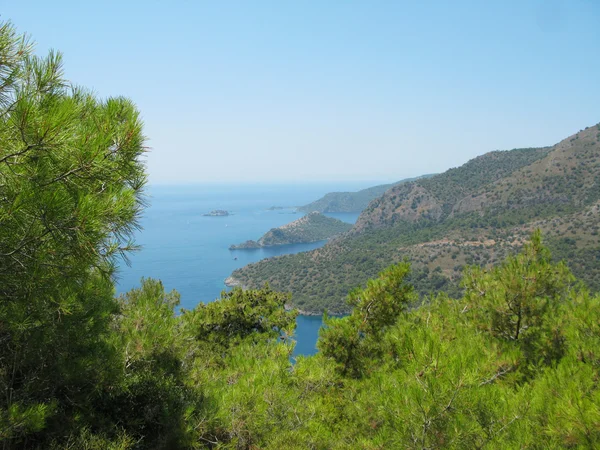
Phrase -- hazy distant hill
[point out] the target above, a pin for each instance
(350, 201)
(473, 214)
(310, 228)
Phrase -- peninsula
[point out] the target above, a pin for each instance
(310, 228)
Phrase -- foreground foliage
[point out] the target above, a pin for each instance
(513, 363)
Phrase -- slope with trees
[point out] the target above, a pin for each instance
(475, 214)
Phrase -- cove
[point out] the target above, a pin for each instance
(189, 252)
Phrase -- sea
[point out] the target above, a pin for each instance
(189, 252)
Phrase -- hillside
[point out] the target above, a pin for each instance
(310, 228)
(474, 214)
(350, 201)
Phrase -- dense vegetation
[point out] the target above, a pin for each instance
(513, 363)
(313, 227)
(350, 201)
(475, 214)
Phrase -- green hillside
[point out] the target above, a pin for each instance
(475, 214)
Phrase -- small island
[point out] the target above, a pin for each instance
(276, 208)
(217, 213)
(313, 227)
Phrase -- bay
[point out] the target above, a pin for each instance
(190, 252)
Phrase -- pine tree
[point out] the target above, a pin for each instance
(71, 185)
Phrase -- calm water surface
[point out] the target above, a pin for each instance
(189, 252)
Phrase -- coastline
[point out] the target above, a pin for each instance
(257, 245)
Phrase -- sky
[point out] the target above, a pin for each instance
(297, 91)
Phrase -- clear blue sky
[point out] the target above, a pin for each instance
(330, 90)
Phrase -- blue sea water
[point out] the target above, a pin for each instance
(189, 252)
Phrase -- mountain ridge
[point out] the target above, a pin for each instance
(477, 213)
